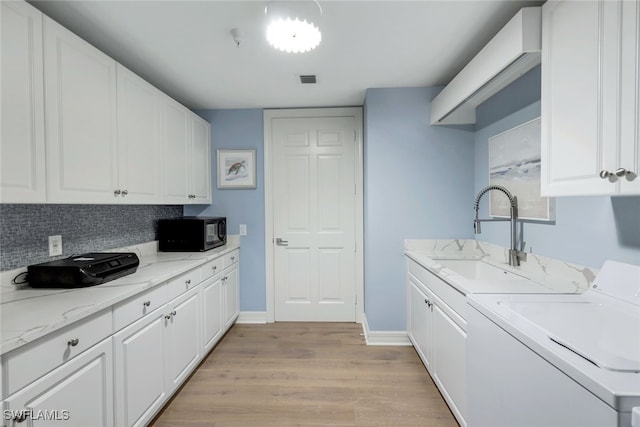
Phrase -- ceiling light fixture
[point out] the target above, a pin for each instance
(293, 25)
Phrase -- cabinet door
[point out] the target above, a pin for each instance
(183, 338)
(630, 97)
(139, 142)
(22, 167)
(176, 152)
(200, 161)
(80, 102)
(139, 361)
(449, 358)
(420, 322)
(231, 295)
(580, 76)
(80, 392)
(211, 312)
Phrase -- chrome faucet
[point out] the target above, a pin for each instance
(515, 256)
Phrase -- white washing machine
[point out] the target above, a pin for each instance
(557, 360)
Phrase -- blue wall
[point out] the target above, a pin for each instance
(240, 129)
(587, 230)
(418, 183)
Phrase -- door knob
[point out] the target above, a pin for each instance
(281, 242)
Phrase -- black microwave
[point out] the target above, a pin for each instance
(191, 233)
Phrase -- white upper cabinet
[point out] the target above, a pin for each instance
(139, 142)
(187, 160)
(80, 89)
(176, 134)
(590, 98)
(200, 161)
(22, 152)
(77, 127)
(630, 97)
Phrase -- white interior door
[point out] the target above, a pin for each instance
(314, 164)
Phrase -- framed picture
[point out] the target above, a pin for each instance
(514, 163)
(236, 169)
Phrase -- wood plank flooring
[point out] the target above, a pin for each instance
(307, 374)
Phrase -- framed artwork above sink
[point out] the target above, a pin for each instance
(514, 163)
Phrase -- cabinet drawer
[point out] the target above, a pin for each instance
(211, 268)
(447, 293)
(231, 258)
(138, 306)
(80, 392)
(183, 283)
(32, 361)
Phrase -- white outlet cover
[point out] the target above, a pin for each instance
(55, 245)
(243, 229)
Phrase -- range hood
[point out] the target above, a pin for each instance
(510, 53)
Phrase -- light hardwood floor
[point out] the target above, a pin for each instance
(307, 374)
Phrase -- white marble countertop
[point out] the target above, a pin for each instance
(27, 314)
(545, 275)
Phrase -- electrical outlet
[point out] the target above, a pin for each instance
(55, 245)
(243, 229)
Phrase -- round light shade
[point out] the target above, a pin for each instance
(293, 35)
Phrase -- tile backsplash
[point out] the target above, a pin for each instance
(24, 229)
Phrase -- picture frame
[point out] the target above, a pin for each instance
(236, 169)
(514, 163)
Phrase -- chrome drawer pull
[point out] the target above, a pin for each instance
(73, 342)
(146, 303)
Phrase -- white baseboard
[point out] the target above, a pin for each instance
(384, 337)
(252, 317)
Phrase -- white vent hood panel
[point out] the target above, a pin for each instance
(510, 53)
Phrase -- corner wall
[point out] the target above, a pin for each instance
(418, 183)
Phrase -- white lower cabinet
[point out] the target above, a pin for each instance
(438, 334)
(183, 338)
(211, 297)
(230, 295)
(139, 364)
(419, 322)
(80, 392)
(153, 356)
(449, 343)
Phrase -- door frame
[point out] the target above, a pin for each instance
(269, 115)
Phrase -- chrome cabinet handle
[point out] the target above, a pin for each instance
(73, 342)
(605, 174)
(629, 175)
(167, 316)
(173, 313)
(214, 268)
(146, 303)
(124, 192)
(170, 315)
(233, 258)
(187, 282)
(117, 192)
(281, 242)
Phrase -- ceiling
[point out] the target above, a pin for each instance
(185, 48)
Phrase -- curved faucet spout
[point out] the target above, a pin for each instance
(514, 255)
